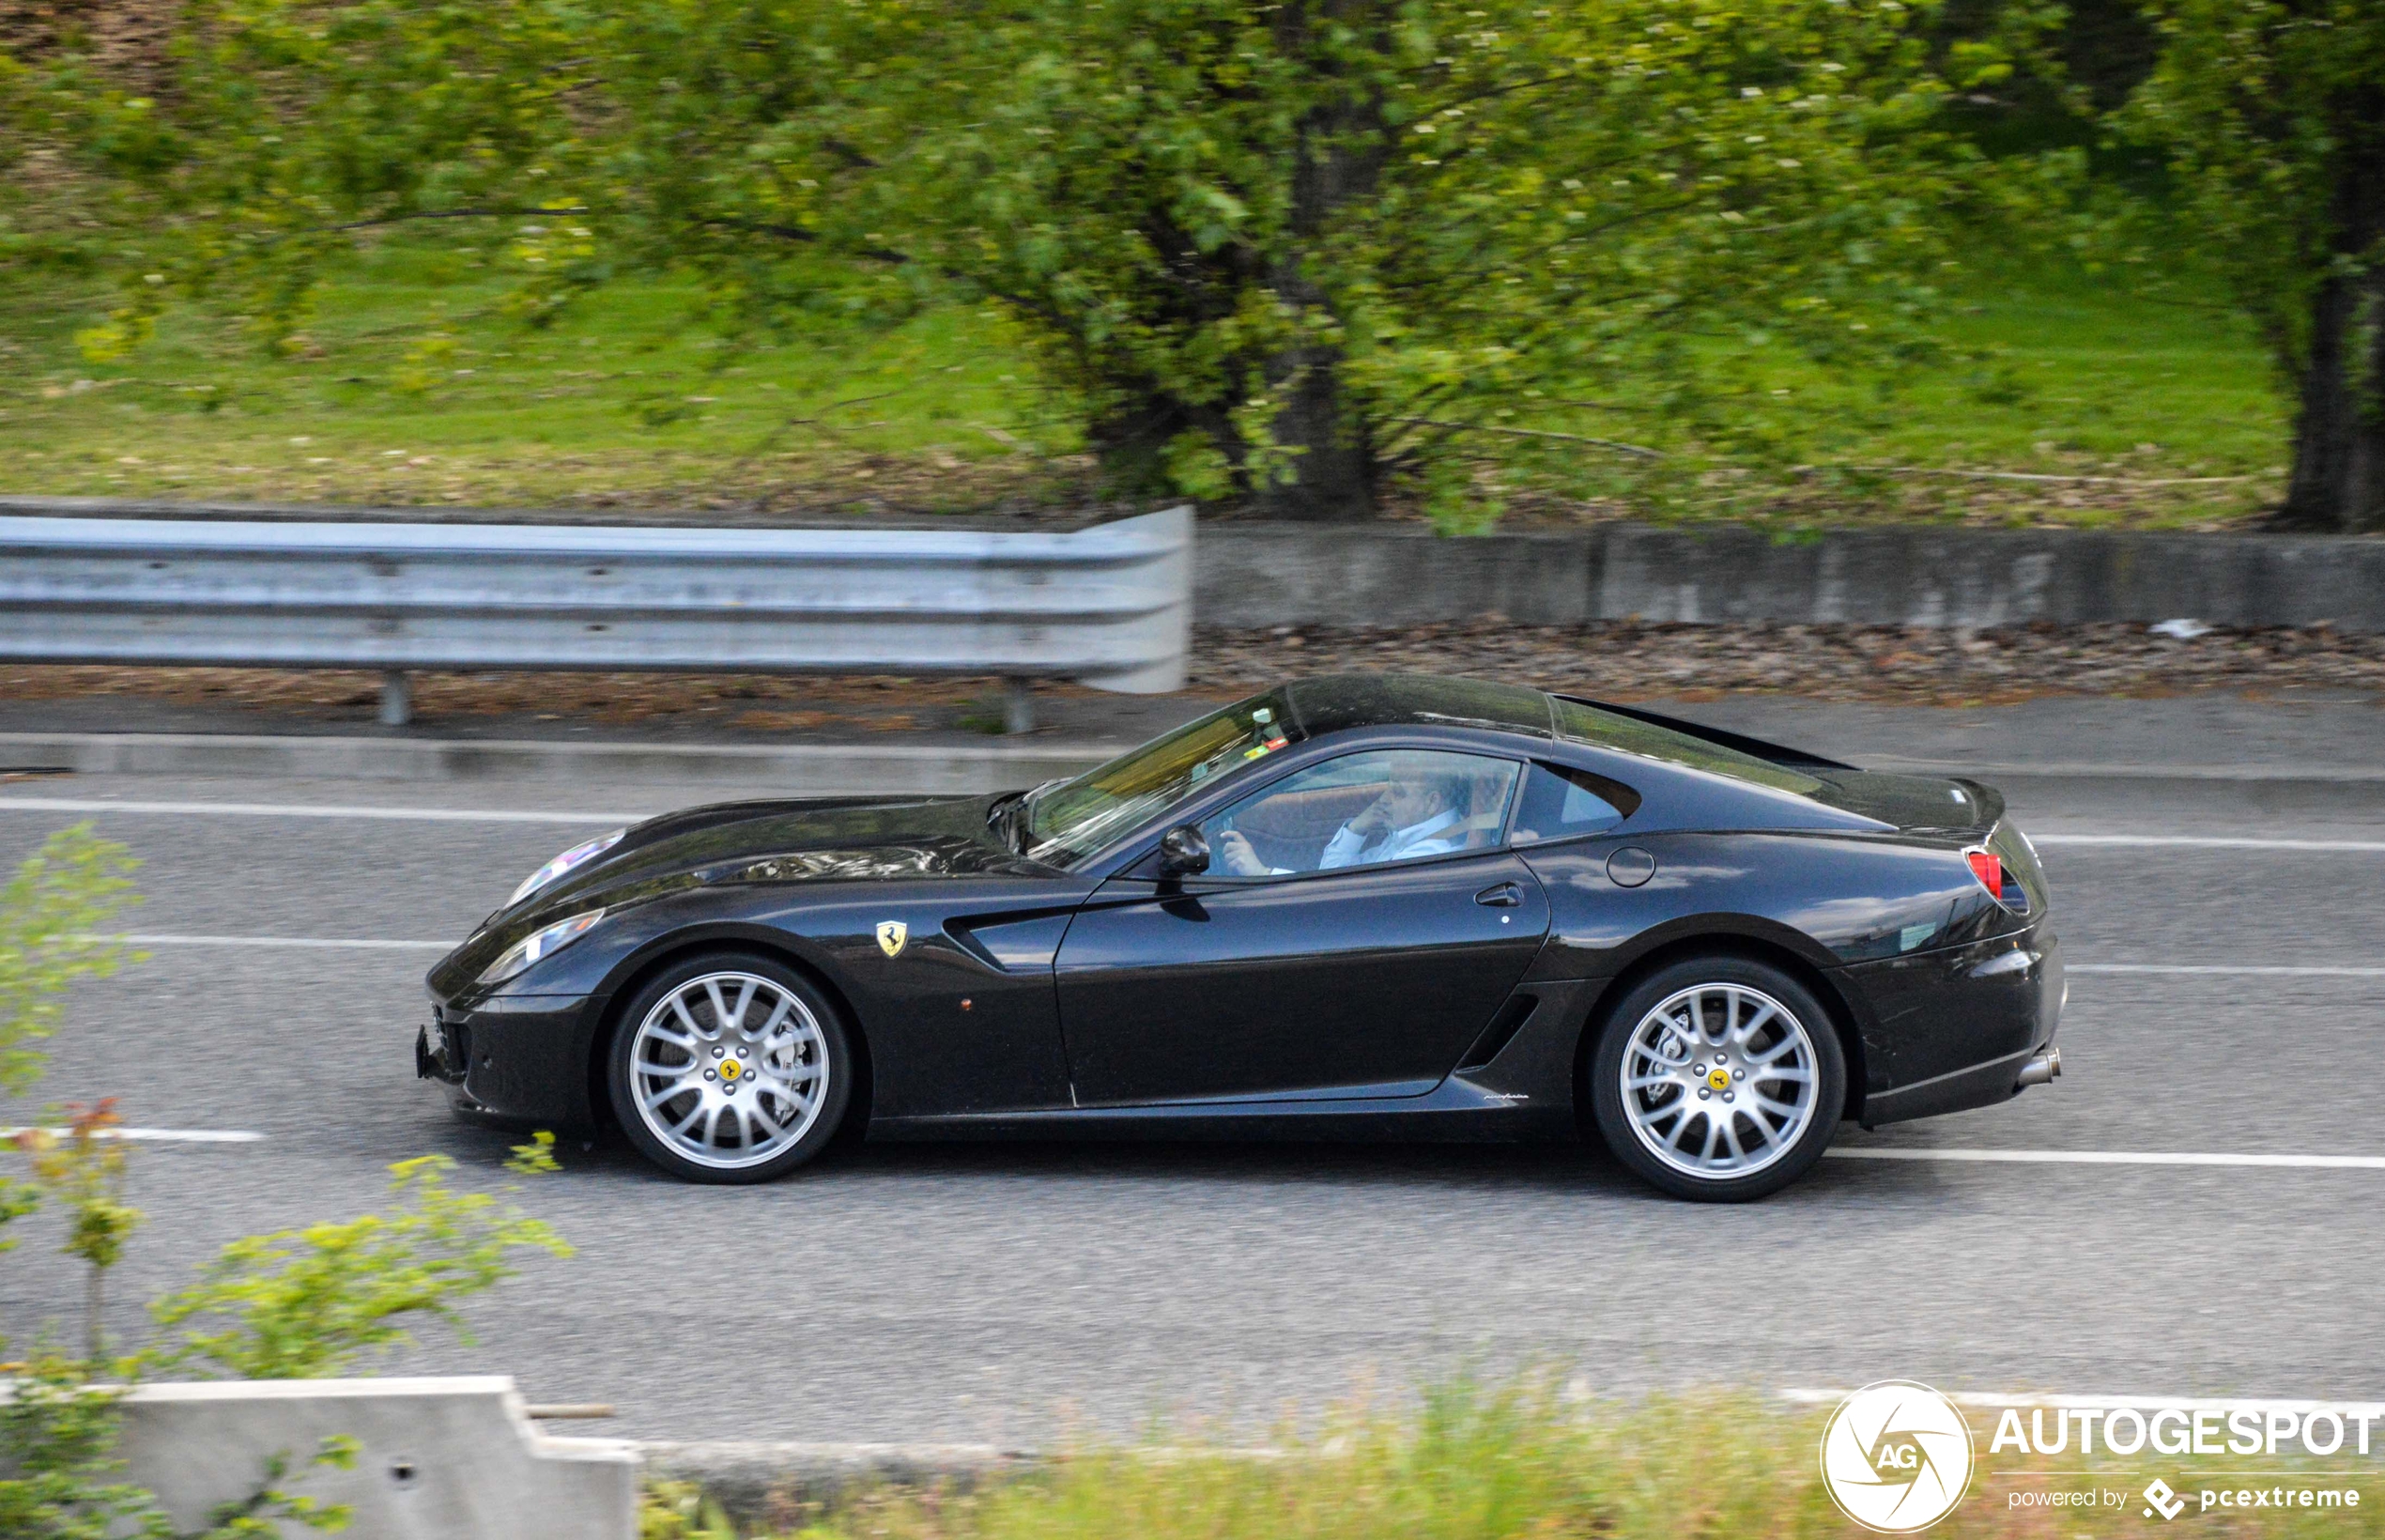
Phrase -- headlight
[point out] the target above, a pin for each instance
(586, 851)
(538, 944)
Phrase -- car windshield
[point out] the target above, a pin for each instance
(1072, 819)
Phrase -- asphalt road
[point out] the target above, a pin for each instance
(1011, 1293)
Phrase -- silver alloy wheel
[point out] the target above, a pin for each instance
(1719, 1080)
(729, 1070)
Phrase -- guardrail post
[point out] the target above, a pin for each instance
(1018, 705)
(398, 697)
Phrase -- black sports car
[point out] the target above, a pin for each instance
(1399, 906)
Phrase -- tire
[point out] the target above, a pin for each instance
(790, 1071)
(1751, 1133)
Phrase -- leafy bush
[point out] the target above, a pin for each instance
(48, 911)
(298, 1303)
(49, 916)
(309, 1303)
(57, 1437)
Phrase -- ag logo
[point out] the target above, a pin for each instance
(1896, 1456)
(891, 935)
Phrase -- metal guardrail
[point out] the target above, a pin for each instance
(1109, 606)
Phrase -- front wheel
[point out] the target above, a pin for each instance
(1717, 1079)
(729, 1067)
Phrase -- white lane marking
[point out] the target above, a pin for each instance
(160, 1136)
(2223, 969)
(2108, 1157)
(301, 810)
(1997, 1400)
(328, 942)
(2196, 842)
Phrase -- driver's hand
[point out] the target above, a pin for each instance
(1375, 818)
(1235, 852)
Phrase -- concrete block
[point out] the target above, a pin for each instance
(1255, 574)
(440, 1459)
(1930, 577)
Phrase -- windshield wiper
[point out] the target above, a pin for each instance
(1019, 807)
(1008, 813)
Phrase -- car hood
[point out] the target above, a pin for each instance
(796, 839)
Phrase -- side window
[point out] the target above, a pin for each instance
(1561, 802)
(1387, 805)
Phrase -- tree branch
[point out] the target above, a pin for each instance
(796, 232)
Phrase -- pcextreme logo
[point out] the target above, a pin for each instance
(1896, 1456)
(2162, 1501)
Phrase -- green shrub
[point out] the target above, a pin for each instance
(310, 1303)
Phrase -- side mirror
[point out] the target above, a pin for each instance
(1183, 853)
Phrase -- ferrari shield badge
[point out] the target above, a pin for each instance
(891, 935)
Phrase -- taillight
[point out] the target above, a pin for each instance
(1989, 868)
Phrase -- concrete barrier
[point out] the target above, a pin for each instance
(1251, 573)
(439, 1459)
(1259, 574)
(1984, 578)
(1255, 574)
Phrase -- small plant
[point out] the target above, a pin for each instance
(306, 1304)
(57, 1448)
(57, 1428)
(679, 1510)
(49, 914)
(85, 1173)
(57, 1444)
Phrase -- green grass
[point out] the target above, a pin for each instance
(1518, 1464)
(415, 385)
(2072, 374)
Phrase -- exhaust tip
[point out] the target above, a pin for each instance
(2044, 1068)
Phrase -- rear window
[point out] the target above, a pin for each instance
(1605, 730)
(1561, 802)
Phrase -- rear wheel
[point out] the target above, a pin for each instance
(729, 1067)
(1717, 1079)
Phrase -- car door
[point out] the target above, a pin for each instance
(1366, 979)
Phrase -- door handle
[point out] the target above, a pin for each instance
(1500, 896)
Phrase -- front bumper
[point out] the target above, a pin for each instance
(1955, 1029)
(520, 1061)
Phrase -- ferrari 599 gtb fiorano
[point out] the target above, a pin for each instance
(1380, 907)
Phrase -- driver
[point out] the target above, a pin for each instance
(1416, 815)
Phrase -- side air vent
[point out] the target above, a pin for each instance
(1500, 1032)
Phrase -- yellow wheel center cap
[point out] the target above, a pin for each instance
(730, 1069)
(1719, 1078)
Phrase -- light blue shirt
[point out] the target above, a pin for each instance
(1347, 848)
